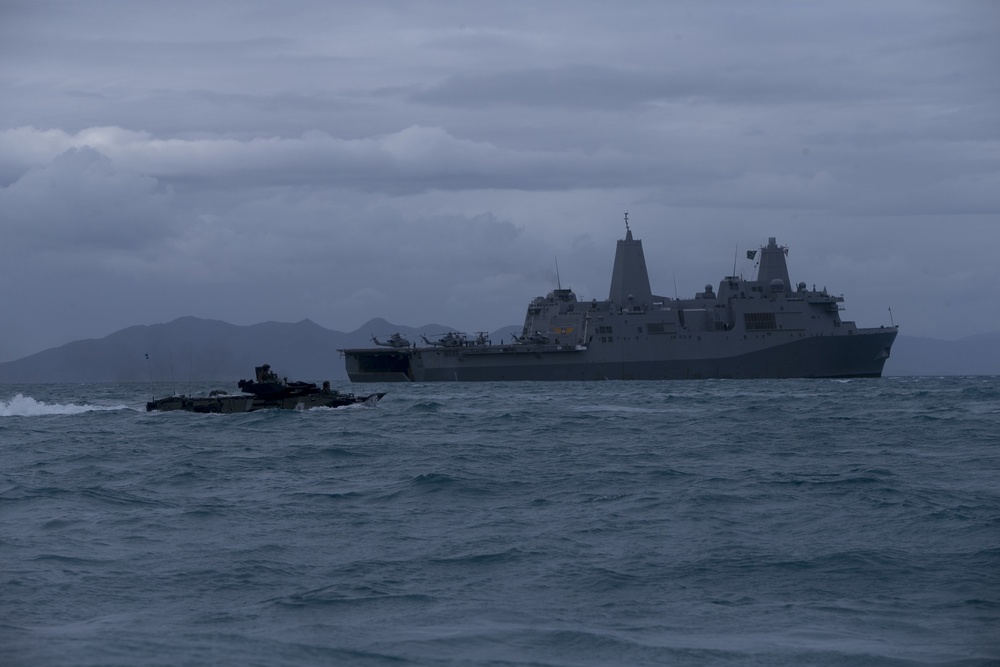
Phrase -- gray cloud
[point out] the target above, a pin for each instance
(428, 162)
(592, 87)
(81, 201)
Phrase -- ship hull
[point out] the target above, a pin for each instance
(709, 356)
(761, 328)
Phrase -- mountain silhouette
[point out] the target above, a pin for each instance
(194, 349)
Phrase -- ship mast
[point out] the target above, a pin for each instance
(629, 279)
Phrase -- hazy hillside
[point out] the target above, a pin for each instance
(192, 349)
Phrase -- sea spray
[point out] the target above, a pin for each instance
(26, 406)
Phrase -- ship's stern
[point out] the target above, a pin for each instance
(378, 365)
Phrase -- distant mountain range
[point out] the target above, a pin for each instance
(193, 349)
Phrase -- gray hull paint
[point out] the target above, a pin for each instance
(860, 355)
(747, 329)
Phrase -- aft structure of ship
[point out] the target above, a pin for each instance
(761, 328)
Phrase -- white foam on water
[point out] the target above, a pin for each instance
(26, 406)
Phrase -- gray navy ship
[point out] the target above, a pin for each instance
(762, 328)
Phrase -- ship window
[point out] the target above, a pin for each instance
(655, 327)
(759, 321)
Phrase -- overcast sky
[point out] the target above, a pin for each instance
(430, 161)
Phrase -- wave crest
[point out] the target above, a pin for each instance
(26, 406)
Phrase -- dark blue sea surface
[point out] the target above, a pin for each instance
(694, 523)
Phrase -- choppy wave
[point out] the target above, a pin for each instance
(26, 406)
(757, 523)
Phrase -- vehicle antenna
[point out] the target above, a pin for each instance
(558, 281)
(173, 382)
(152, 393)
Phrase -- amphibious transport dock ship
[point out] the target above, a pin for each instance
(763, 328)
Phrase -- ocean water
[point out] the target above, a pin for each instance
(692, 523)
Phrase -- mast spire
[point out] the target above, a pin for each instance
(629, 279)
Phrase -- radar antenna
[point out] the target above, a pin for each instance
(152, 389)
(626, 222)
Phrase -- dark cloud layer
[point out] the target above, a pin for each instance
(592, 87)
(428, 162)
